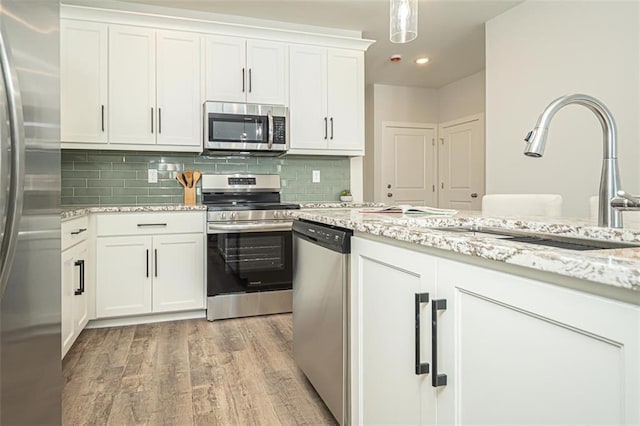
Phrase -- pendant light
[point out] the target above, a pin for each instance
(403, 21)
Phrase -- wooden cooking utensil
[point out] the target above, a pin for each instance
(196, 176)
(188, 177)
(181, 180)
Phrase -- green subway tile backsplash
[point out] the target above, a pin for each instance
(120, 178)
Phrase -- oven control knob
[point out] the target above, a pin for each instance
(233, 215)
(223, 215)
(276, 215)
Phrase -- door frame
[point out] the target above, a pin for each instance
(378, 191)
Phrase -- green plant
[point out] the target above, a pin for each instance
(345, 192)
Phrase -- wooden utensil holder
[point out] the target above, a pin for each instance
(189, 196)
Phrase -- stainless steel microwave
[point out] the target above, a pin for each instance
(245, 127)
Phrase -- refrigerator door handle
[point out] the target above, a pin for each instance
(16, 186)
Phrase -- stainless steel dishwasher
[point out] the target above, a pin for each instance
(320, 310)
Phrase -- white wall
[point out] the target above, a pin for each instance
(538, 51)
(392, 103)
(461, 98)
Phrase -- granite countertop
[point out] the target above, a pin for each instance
(69, 212)
(615, 267)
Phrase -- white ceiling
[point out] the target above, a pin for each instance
(450, 32)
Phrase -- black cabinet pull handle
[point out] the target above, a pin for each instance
(242, 80)
(159, 120)
(325, 128)
(438, 379)
(102, 117)
(80, 290)
(151, 119)
(140, 225)
(155, 261)
(249, 80)
(331, 128)
(421, 368)
(79, 231)
(147, 263)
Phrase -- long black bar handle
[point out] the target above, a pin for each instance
(151, 119)
(102, 117)
(147, 263)
(325, 127)
(331, 128)
(438, 379)
(79, 231)
(242, 80)
(80, 290)
(159, 120)
(155, 261)
(421, 367)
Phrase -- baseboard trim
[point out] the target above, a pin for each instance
(146, 319)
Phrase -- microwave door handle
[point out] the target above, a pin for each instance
(270, 126)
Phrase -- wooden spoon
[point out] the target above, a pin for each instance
(188, 177)
(196, 176)
(180, 178)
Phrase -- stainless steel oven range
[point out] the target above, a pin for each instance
(249, 246)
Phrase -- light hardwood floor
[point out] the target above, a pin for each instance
(231, 372)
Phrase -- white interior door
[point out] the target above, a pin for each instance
(461, 163)
(409, 168)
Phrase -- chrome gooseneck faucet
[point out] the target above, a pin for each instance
(609, 214)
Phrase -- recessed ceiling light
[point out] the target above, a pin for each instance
(422, 61)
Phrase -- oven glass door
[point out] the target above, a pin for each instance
(249, 261)
(238, 128)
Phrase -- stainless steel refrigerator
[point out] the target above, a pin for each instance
(30, 368)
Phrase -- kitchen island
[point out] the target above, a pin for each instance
(457, 328)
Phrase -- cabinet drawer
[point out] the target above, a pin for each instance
(74, 231)
(149, 223)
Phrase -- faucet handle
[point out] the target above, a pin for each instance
(627, 196)
(625, 201)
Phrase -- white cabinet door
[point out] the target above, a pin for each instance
(519, 351)
(226, 73)
(345, 85)
(83, 81)
(124, 274)
(266, 72)
(178, 277)
(132, 85)
(69, 284)
(308, 118)
(178, 88)
(385, 388)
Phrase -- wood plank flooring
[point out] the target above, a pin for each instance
(195, 372)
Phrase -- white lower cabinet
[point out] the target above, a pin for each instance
(76, 282)
(513, 350)
(155, 270)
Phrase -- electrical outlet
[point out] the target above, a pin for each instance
(315, 176)
(152, 176)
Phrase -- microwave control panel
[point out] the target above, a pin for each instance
(279, 130)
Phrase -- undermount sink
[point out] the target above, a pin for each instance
(537, 238)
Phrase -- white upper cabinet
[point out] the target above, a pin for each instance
(326, 98)
(178, 88)
(239, 70)
(83, 81)
(142, 92)
(132, 85)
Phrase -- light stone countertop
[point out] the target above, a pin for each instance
(615, 267)
(70, 212)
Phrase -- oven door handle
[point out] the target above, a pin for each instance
(226, 228)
